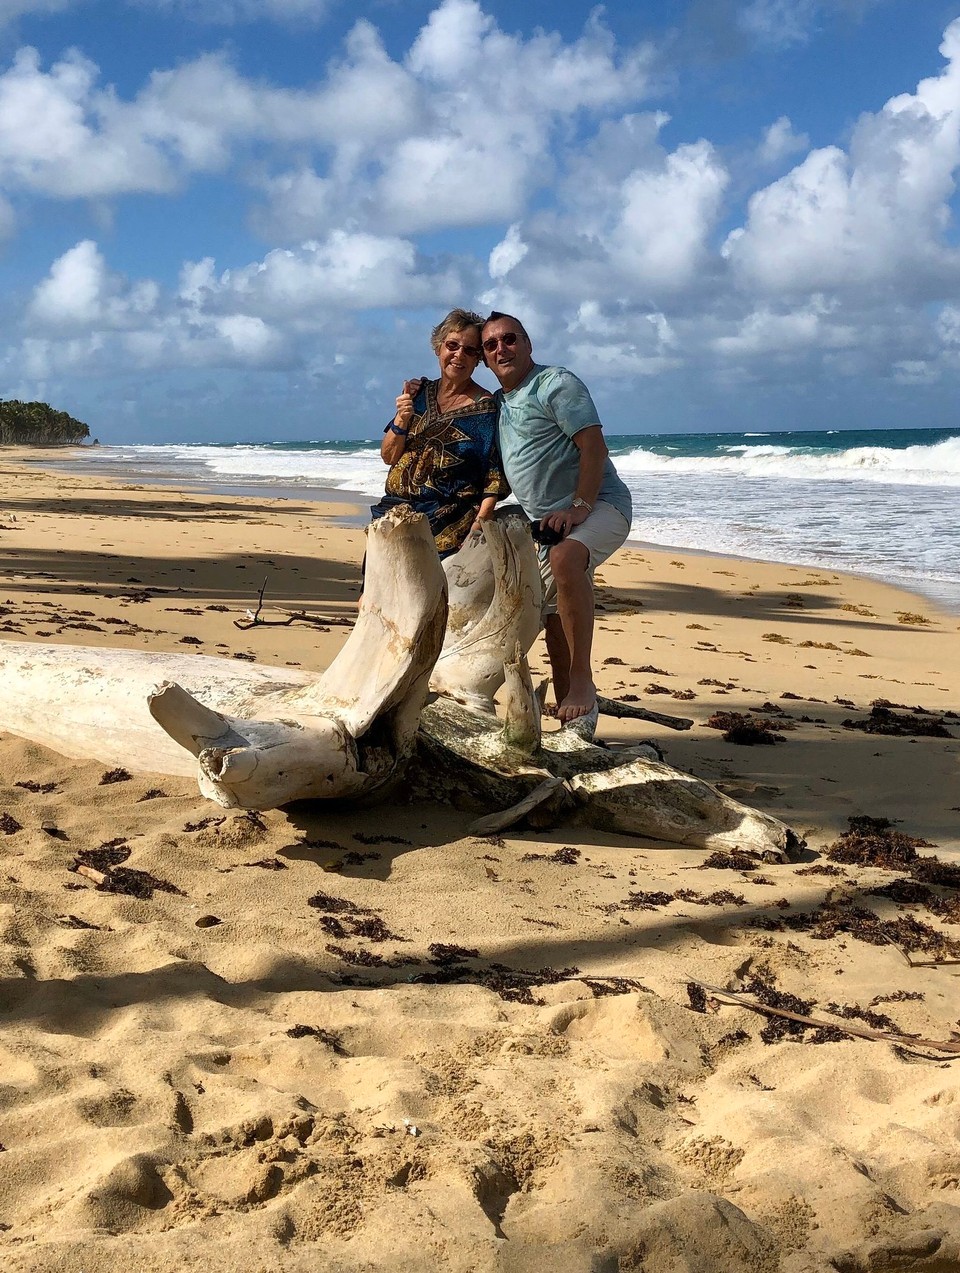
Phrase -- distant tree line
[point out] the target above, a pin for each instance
(38, 424)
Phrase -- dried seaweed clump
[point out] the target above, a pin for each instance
(114, 775)
(106, 861)
(931, 870)
(734, 860)
(515, 985)
(875, 842)
(614, 986)
(645, 900)
(443, 954)
(697, 996)
(745, 730)
(895, 724)
(722, 897)
(343, 918)
(567, 856)
(832, 918)
(332, 1040)
(778, 1028)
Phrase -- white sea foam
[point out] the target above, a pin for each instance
(870, 510)
(359, 470)
(933, 465)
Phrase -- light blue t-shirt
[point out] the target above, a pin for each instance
(537, 423)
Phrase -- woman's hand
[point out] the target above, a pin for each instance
(404, 413)
(395, 437)
(484, 514)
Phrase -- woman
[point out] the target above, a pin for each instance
(441, 444)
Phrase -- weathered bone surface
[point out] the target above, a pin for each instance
(467, 759)
(257, 737)
(260, 737)
(494, 605)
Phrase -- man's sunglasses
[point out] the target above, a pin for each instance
(508, 338)
(454, 347)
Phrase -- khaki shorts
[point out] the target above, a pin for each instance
(602, 533)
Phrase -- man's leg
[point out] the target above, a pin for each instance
(569, 632)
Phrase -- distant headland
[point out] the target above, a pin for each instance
(39, 424)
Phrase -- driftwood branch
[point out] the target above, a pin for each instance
(298, 616)
(950, 1046)
(258, 737)
(628, 711)
(496, 822)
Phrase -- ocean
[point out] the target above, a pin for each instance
(882, 503)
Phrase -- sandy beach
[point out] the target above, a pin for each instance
(522, 1066)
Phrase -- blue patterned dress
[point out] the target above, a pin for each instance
(451, 462)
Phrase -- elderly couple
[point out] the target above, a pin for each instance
(455, 449)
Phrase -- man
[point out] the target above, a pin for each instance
(558, 466)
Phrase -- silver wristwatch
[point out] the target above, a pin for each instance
(581, 503)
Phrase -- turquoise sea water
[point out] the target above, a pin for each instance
(875, 502)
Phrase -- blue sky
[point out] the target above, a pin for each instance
(239, 219)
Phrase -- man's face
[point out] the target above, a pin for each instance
(508, 352)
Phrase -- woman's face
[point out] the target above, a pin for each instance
(459, 353)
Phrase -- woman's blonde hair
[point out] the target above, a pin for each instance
(456, 321)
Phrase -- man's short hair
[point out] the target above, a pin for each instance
(495, 315)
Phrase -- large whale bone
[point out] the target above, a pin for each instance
(260, 737)
(494, 591)
(257, 737)
(510, 767)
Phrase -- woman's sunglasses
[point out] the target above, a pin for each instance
(508, 338)
(454, 347)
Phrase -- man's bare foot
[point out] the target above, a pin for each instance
(584, 727)
(581, 700)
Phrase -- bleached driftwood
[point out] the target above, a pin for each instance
(494, 590)
(257, 737)
(260, 737)
(467, 759)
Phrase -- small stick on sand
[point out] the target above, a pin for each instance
(898, 948)
(951, 1046)
(300, 616)
(917, 963)
(91, 873)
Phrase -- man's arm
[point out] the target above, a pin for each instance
(593, 457)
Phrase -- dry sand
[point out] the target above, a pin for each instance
(287, 1088)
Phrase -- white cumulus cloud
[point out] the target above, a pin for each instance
(869, 217)
(62, 136)
(779, 141)
(353, 271)
(509, 252)
(74, 291)
(667, 214)
(443, 167)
